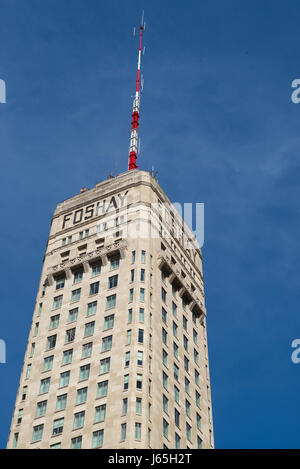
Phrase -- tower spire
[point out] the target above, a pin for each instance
(133, 149)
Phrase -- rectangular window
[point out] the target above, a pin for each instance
(57, 302)
(195, 336)
(142, 275)
(184, 322)
(36, 329)
(60, 283)
(109, 322)
(165, 380)
(197, 399)
(176, 372)
(89, 329)
(98, 439)
(77, 276)
(187, 385)
(81, 395)
(176, 394)
(58, 426)
(165, 428)
(96, 269)
(123, 431)
(164, 315)
(142, 294)
(164, 357)
(139, 381)
(20, 415)
(143, 257)
(199, 442)
(175, 349)
(177, 441)
(78, 420)
(163, 295)
(73, 314)
(92, 308)
(174, 309)
(138, 405)
(102, 389)
(175, 329)
(141, 336)
(87, 350)
(141, 314)
(84, 372)
(186, 364)
(132, 275)
(51, 342)
(164, 335)
(127, 359)
(94, 288)
(70, 335)
(196, 356)
(76, 442)
(67, 357)
(188, 431)
(24, 392)
(131, 295)
(130, 316)
(106, 343)
(104, 366)
(138, 431)
(128, 337)
(28, 371)
(61, 402)
(126, 382)
(177, 418)
(133, 257)
(75, 295)
(114, 262)
(197, 377)
(45, 385)
(64, 379)
(113, 281)
(185, 343)
(48, 363)
(165, 403)
(187, 408)
(37, 433)
(111, 301)
(198, 421)
(140, 358)
(124, 406)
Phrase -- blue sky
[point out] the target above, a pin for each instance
(217, 122)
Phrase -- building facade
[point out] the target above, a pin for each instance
(117, 352)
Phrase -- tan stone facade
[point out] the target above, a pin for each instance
(117, 352)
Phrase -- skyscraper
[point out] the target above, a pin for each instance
(117, 352)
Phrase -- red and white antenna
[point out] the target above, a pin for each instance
(134, 140)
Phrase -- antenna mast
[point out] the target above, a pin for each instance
(133, 149)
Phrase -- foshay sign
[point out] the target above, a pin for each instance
(93, 210)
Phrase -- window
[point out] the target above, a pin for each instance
(165, 380)
(58, 426)
(128, 337)
(113, 281)
(163, 276)
(81, 395)
(131, 295)
(78, 420)
(73, 314)
(197, 399)
(138, 405)
(45, 385)
(70, 335)
(176, 372)
(141, 336)
(37, 433)
(198, 419)
(142, 275)
(165, 428)
(48, 363)
(127, 359)
(87, 350)
(126, 382)
(142, 294)
(89, 329)
(123, 431)
(187, 408)
(177, 441)
(92, 308)
(195, 336)
(176, 394)
(164, 357)
(196, 376)
(164, 314)
(141, 314)
(84, 372)
(40, 309)
(132, 275)
(94, 288)
(98, 439)
(174, 309)
(51, 342)
(165, 403)
(175, 349)
(199, 442)
(28, 371)
(104, 366)
(184, 322)
(188, 431)
(185, 343)
(186, 364)
(61, 402)
(77, 276)
(143, 257)
(187, 385)
(102, 389)
(20, 415)
(111, 301)
(24, 393)
(109, 322)
(163, 295)
(139, 381)
(174, 291)
(60, 283)
(140, 358)
(55, 446)
(124, 406)
(106, 343)
(114, 262)
(76, 442)
(133, 257)
(67, 357)
(129, 316)
(64, 379)
(175, 329)
(196, 356)
(96, 269)
(15, 440)
(137, 430)
(57, 302)
(164, 336)
(36, 329)
(177, 418)
(75, 295)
